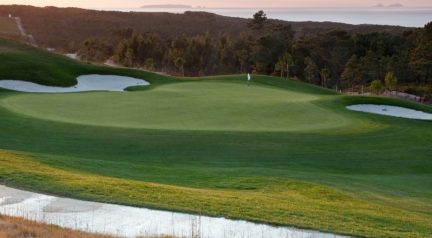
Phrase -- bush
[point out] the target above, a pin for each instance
(390, 81)
(376, 86)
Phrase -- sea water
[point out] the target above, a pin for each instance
(403, 16)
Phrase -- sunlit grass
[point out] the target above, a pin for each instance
(211, 106)
(283, 202)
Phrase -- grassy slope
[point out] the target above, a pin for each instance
(372, 180)
(21, 62)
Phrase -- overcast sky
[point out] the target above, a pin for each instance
(216, 3)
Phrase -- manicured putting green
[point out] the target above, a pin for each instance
(221, 106)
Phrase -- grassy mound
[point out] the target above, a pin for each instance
(183, 145)
(22, 62)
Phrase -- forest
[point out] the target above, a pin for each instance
(66, 28)
(333, 59)
(333, 55)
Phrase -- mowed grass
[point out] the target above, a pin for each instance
(365, 175)
(217, 106)
(260, 199)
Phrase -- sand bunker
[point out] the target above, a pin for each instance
(127, 221)
(73, 56)
(92, 82)
(393, 111)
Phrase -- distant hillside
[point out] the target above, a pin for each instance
(50, 26)
(167, 6)
(394, 5)
(8, 28)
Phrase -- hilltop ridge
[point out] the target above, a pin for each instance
(51, 25)
(167, 6)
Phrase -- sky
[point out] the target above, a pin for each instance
(217, 3)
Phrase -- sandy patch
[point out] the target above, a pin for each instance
(92, 82)
(69, 205)
(72, 56)
(131, 222)
(12, 196)
(393, 111)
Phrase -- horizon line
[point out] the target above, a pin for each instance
(237, 7)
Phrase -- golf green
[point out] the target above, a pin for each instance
(218, 106)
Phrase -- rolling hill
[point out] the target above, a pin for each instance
(51, 25)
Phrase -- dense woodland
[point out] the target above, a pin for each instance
(194, 44)
(66, 28)
(332, 59)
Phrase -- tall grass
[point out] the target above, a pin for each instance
(12, 227)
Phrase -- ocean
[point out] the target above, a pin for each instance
(409, 17)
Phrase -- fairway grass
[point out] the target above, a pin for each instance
(212, 146)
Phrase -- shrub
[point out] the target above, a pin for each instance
(390, 81)
(376, 86)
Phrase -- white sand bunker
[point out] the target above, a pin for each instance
(393, 111)
(127, 221)
(92, 82)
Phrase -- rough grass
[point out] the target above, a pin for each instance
(372, 178)
(11, 227)
(22, 62)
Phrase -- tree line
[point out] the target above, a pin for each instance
(334, 59)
